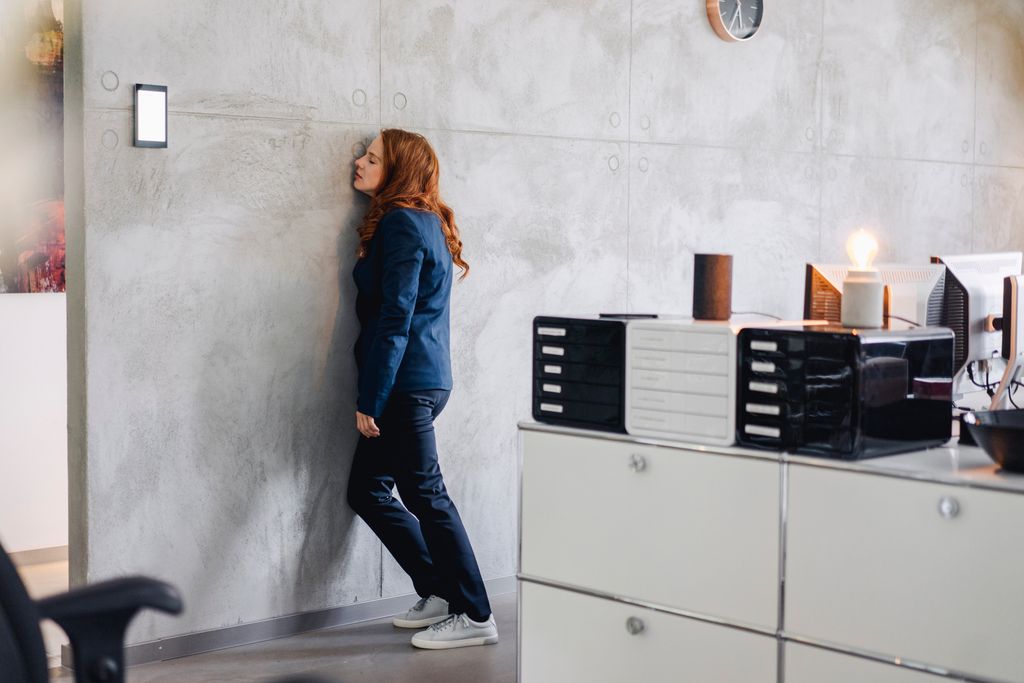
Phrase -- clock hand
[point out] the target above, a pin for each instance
(736, 15)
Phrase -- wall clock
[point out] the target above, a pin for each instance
(735, 20)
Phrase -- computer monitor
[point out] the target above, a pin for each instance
(974, 301)
(913, 293)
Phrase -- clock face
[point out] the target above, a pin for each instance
(740, 19)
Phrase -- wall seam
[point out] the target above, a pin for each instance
(380, 63)
(629, 150)
(974, 145)
(820, 152)
(566, 138)
(230, 117)
(380, 124)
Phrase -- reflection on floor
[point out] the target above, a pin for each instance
(42, 580)
(373, 651)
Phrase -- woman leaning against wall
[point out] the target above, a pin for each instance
(408, 247)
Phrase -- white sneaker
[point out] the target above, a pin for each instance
(457, 630)
(426, 611)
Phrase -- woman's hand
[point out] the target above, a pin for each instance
(366, 425)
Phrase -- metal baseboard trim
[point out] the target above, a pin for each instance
(25, 558)
(279, 627)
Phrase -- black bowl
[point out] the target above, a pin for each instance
(1001, 434)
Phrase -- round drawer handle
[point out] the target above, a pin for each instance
(637, 463)
(949, 507)
(634, 625)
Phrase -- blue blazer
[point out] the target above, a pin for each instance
(404, 284)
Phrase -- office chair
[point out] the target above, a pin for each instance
(95, 618)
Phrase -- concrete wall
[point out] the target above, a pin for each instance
(33, 422)
(588, 148)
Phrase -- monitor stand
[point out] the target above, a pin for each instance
(1013, 342)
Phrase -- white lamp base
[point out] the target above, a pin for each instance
(862, 302)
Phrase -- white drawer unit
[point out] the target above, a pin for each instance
(681, 377)
(690, 530)
(568, 637)
(681, 380)
(926, 572)
(805, 664)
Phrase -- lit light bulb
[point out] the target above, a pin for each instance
(862, 248)
(863, 291)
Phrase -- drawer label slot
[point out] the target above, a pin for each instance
(759, 430)
(763, 409)
(764, 387)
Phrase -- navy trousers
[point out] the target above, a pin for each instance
(426, 535)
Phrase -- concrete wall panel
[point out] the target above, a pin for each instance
(915, 209)
(220, 368)
(1000, 83)
(532, 66)
(999, 209)
(898, 78)
(690, 86)
(263, 58)
(762, 207)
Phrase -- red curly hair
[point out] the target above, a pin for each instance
(410, 181)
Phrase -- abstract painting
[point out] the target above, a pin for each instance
(32, 228)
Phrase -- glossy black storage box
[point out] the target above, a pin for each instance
(579, 372)
(844, 393)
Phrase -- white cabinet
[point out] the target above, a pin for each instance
(927, 572)
(568, 637)
(915, 560)
(690, 530)
(805, 664)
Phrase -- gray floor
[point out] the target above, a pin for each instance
(42, 580)
(371, 651)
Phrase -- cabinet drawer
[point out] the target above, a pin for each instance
(680, 426)
(704, 363)
(690, 530)
(578, 353)
(813, 665)
(672, 402)
(691, 383)
(577, 391)
(578, 413)
(684, 340)
(575, 372)
(872, 563)
(577, 331)
(566, 636)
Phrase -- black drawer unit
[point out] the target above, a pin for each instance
(578, 391)
(579, 372)
(844, 393)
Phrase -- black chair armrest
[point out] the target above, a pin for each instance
(114, 596)
(96, 617)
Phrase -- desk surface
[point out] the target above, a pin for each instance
(950, 464)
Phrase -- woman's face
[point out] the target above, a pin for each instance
(370, 168)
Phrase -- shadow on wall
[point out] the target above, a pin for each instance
(329, 539)
(290, 500)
